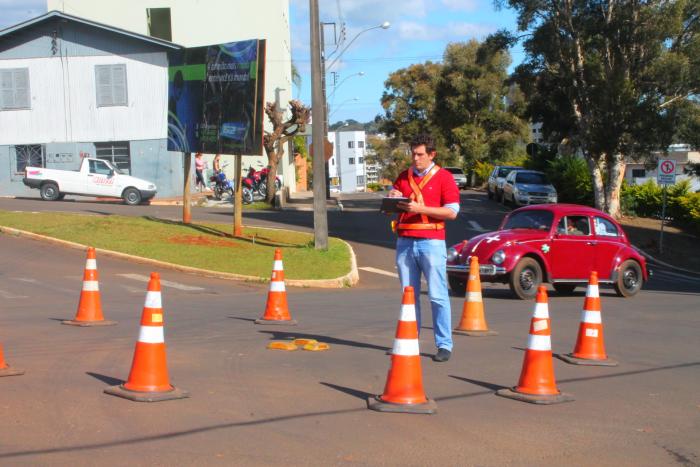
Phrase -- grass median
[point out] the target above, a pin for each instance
(201, 245)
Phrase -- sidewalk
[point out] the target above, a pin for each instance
(300, 201)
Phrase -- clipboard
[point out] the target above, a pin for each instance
(391, 204)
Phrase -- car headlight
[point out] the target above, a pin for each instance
(151, 187)
(498, 257)
(452, 255)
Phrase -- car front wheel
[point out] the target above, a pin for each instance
(132, 196)
(629, 279)
(525, 277)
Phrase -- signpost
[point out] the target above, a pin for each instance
(665, 175)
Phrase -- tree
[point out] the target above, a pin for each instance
(391, 158)
(472, 111)
(282, 131)
(605, 77)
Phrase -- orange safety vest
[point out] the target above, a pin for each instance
(417, 195)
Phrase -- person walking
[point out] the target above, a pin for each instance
(199, 166)
(433, 198)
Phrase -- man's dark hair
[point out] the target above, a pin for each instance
(423, 139)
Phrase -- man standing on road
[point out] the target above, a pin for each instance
(420, 247)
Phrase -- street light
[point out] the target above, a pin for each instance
(343, 103)
(335, 88)
(384, 25)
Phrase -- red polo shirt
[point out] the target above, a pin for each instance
(440, 190)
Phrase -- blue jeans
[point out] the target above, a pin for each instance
(429, 257)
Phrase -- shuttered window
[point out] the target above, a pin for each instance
(116, 152)
(110, 81)
(14, 89)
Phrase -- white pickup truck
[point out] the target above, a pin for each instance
(96, 177)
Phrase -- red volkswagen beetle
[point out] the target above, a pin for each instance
(556, 243)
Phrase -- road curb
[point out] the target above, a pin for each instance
(347, 280)
(666, 265)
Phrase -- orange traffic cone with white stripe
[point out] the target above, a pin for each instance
(5, 369)
(590, 344)
(276, 308)
(90, 306)
(148, 380)
(404, 385)
(473, 322)
(537, 384)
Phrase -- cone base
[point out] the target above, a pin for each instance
(73, 322)
(288, 322)
(138, 396)
(376, 403)
(569, 358)
(535, 398)
(466, 332)
(9, 371)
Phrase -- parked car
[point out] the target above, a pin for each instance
(458, 175)
(523, 187)
(494, 185)
(556, 243)
(96, 177)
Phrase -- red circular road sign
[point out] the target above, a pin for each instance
(668, 167)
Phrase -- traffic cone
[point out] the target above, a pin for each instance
(148, 379)
(276, 309)
(7, 370)
(403, 392)
(537, 384)
(473, 322)
(90, 306)
(590, 344)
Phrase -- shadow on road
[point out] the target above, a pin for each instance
(108, 380)
(272, 420)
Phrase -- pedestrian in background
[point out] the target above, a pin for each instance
(420, 247)
(199, 166)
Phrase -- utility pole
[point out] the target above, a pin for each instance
(318, 106)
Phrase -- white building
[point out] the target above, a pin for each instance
(346, 168)
(72, 87)
(637, 173)
(206, 22)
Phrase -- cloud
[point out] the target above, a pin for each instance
(462, 5)
(453, 31)
(411, 30)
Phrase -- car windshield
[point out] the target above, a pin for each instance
(533, 220)
(504, 171)
(455, 170)
(531, 177)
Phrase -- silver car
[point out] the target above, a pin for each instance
(458, 175)
(494, 186)
(523, 187)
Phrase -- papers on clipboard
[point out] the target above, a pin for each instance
(390, 204)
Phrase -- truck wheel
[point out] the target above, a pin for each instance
(525, 277)
(629, 279)
(132, 196)
(458, 286)
(49, 191)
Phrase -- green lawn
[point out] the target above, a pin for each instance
(208, 245)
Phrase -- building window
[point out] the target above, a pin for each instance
(639, 173)
(360, 144)
(360, 160)
(351, 160)
(110, 81)
(14, 89)
(360, 179)
(333, 161)
(159, 23)
(116, 152)
(30, 155)
(351, 144)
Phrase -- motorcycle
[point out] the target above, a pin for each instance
(263, 180)
(257, 180)
(221, 185)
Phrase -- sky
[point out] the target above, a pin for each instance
(419, 31)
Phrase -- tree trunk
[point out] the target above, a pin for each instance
(597, 182)
(272, 176)
(615, 174)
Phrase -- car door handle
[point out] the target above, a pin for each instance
(591, 243)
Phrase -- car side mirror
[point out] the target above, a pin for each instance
(111, 172)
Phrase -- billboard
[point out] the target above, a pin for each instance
(216, 98)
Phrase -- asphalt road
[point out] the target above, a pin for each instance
(252, 406)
